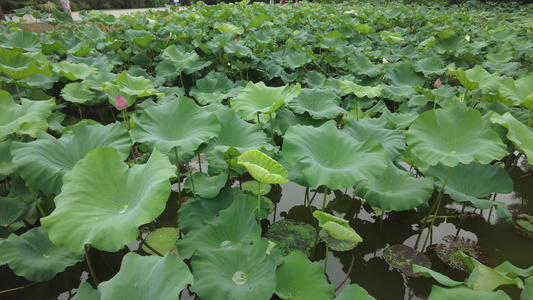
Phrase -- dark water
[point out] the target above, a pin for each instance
(369, 270)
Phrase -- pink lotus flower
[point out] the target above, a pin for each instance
(121, 103)
(438, 83)
(296, 3)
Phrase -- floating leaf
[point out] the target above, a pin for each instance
(354, 291)
(162, 239)
(147, 277)
(446, 251)
(403, 257)
(33, 256)
(292, 285)
(291, 235)
(103, 201)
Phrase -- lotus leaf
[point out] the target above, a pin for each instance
(73, 71)
(33, 256)
(147, 277)
(7, 167)
(473, 182)
(263, 168)
(204, 186)
(446, 252)
(527, 292)
(327, 157)
(197, 212)
(232, 226)
(136, 86)
(240, 272)
(453, 136)
(178, 58)
(360, 64)
(259, 98)
(336, 227)
(335, 244)
(44, 162)
(18, 66)
(13, 117)
(478, 78)
(86, 292)
(75, 92)
(348, 87)
(292, 285)
(178, 123)
(403, 257)
(291, 236)
(432, 65)
(103, 201)
(238, 48)
(464, 293)
(24, 40)
(395, 190)
(405, 75)
(256, 187)
(440, 278)
(13, 209)
(317, 102)
(518, 133)
(518, 91)
(354, 291)
(162, 240)
(214, 88)
(113, 90)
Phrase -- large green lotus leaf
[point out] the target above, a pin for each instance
(263, 168)
(239, 272)
(86, 292)
(361, 65)
(451, 45)
(392, 140)
(74, 71)
(518, 91)
(354, 291)
(204, 186)
(518, 133)
(75, 92)
(290, 235)
(256, 187)
(178, 123)
(478, 78)
(13, 209)
(147, 277)
(230, 28)
(25, 40)
(94, 82)
(432, 65)
(259, 98)
(405, 75)
(319, 103)
(237, 133)
(7, 167)
(18, 66)
(214, 88)
(136, 86)
(398, 93)
(197, 212)
(464, 293)
(33, 256)
(162, 240)
(441, 278)
(178, 58)
(43, 162)
(452, 136)
(348, 87)
(395, 190)
(14, 116)
(292, 285)
(328, 157)
(233, 225)
(139, 37)
(336, 227)
(103, 201)
(238, 48)
(527, 291)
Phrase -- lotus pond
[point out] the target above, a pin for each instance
(269, 152)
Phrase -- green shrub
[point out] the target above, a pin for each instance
(48, 7)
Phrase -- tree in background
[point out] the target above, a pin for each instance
(66, 6)
(2, 16)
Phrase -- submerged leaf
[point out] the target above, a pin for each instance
(403, 257)
(446, 252)
(162, 239)
(291, 235)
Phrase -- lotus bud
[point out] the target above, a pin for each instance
(121, 103)
(438, 83)
(296, 3)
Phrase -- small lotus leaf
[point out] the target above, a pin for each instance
(327, 157)
(136, 86)
(75, 92)
(263, 168)
(214, 88)
(147, 277)
(103, 201)
(292, 285)
(354, 291)
(518, 133)
(162, 239)
(524, 224)
(240, 272)
(204, 186)
(464, 293)
(178, 123)
(252, 186)
(259, 98)
(452, 136)
(335, 244)
(43, 162)
(33, 256)
(14, 116)
(446, 252)
(336, 227)
(86, 292)
(291, 235)
(234, 225)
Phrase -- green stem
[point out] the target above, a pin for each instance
(17, 288)
(435, 102)
(199, 163)
(192, 183)
(81, 113)
(39, 208)
(179, 175)
(143, 241)
(229, 166)
(357, 110)
(258, 121)
(514, 163)
(181, 79)
(259, 202)
(529, 118)
(272, 130)
(18, 91)
(325, 196)
(327, 255)
(88, 258)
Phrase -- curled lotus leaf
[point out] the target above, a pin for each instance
(263, 168)
(336, 227)
(520, 134)
(463, 292)
(103, 201)
(205, 186)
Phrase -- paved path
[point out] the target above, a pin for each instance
(116, 13)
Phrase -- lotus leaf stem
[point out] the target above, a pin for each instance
(18, 91)
(259, 201)
(17, 288)
(325, 197)
(39, 208)
(199, 163)
(143, 241)
(258, 121)
(435, 101)
(181, 79)
(347, 274)
(88, 258)
(192, 183)
(529, 118)
(179, 176)
(515, 162)
(327, 255)
(81, 113)
(272, 130)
